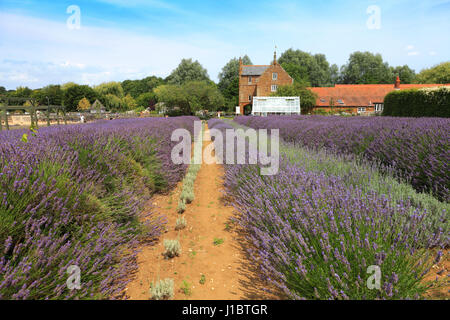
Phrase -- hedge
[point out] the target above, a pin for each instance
(429, 102)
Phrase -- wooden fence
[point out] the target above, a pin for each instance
(15, 104)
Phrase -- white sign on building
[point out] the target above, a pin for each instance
(262, 106)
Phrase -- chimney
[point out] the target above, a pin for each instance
(397, 83)
(275, 57)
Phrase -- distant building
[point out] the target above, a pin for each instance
(260, 81)
(363, 99)
(97, 107)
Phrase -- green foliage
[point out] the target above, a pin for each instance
(139, 87)
(114, 88)
(74, 93)
(304, 67)
(366, 68)
(439, 74)
(146, 100)
(202, 279)
(128, 102)
(190, 97)
(172, 248)
(307, 97)
(406, 74)
(431, 102)
(218, 241)
(229, 81)
(23, 92)
(186, 71)
(162, 289)
(186, 288)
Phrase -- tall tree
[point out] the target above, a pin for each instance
(186, 71)
(366, 68)
(191, 97)
(229, 81)
(138, 87)
(306, 68)
(406, 74)
(74, 93)
(439, 74)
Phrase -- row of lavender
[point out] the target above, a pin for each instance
(71, 195)
(418, 149)
(315, 237)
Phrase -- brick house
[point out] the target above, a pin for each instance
(361, 99)
(260, 81)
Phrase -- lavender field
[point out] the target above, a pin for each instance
(71, 195)
(417, 149)
(317, 226)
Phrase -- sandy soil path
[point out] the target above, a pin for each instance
(211, 246)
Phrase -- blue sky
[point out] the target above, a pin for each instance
(131, 39)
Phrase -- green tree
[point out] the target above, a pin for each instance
(23, 92)
(406, 74)
(2, 90)
(147, 100)
(186, 71)
(304, 67)
(74, 93)
(229, 81)
(439, 74)
(307, 97)
(173, 96)
(128, 102)
(191, 97)
(203, 95)
(366, 68)
(113, 87)
(138, 87)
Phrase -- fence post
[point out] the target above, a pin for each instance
(1, 118)
(48, 112)
(6, 115)
(64, 115)
(57, 115)
(35, 115)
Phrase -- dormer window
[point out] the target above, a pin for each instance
(274, 76)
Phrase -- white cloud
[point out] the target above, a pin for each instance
(413, 53)
(432, 53)
(52, 53)
(409, 48)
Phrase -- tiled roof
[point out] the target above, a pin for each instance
(348, 95)
(253, 70)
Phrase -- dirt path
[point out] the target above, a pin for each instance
(211, 246)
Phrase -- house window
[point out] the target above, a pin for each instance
(274, 88)
(250, 79)
(250, 98)
(378, 107)
(274, 76)
(361, 109)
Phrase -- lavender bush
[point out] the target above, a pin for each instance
(418, 149)
(71, 196)
(314, 236)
